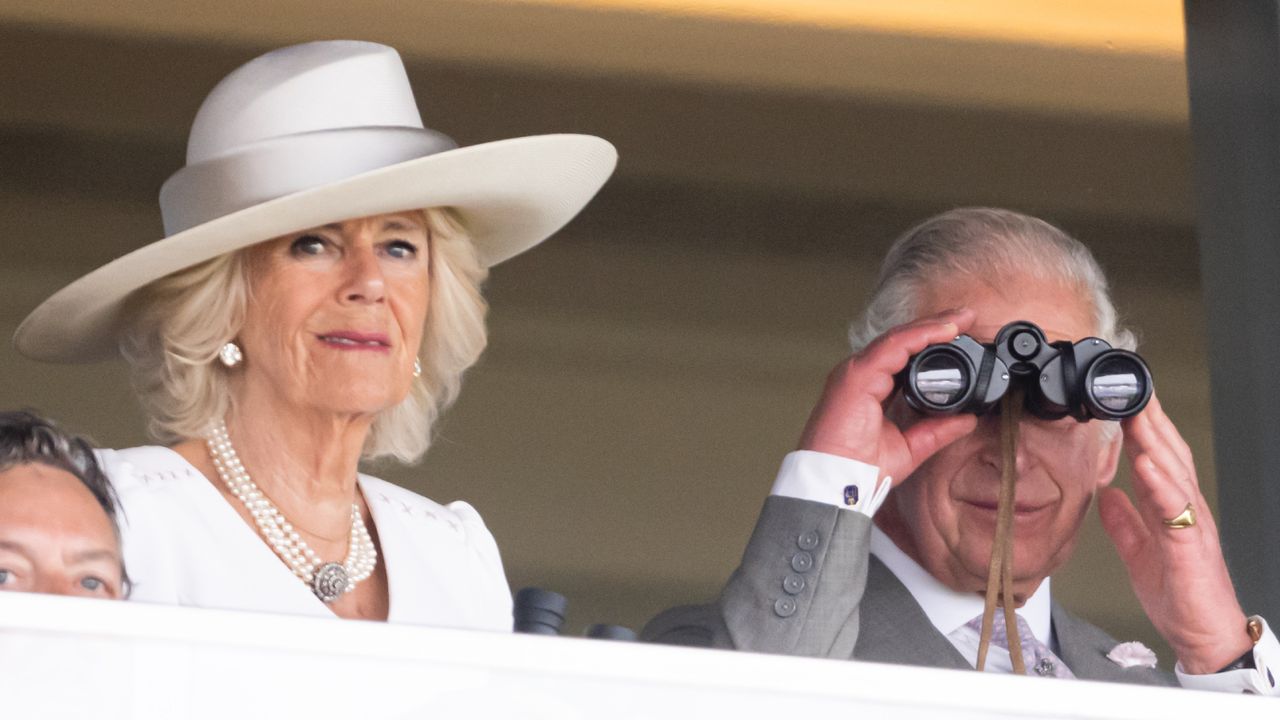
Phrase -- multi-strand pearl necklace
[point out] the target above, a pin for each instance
(328, 580)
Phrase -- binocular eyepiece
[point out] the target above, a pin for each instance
(1087, 380)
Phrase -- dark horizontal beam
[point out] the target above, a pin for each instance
(862, 149)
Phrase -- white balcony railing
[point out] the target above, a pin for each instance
(73, 658)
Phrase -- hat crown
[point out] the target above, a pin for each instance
(327, 85)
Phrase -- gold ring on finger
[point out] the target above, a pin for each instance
(1184, 519)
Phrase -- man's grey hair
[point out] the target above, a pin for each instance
(990, 245)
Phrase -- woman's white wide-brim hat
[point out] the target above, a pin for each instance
(310, 135)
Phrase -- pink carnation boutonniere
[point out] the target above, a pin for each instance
(1132, 654)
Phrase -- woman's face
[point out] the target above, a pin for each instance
(335, 314)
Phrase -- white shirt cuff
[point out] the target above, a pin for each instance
(833, 480)
(1261, 679)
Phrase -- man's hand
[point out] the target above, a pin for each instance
(1179, 575)
(850, 419)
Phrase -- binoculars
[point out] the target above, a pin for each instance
(1087, 380)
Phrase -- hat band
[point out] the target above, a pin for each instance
(273, 169)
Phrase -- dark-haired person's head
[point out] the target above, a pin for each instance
(58, 530)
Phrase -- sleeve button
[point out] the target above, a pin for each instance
(802, 562)
(809, 540)
(785, 607)
(793, 584)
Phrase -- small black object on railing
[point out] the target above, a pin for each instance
(601, 631)
(540, 612)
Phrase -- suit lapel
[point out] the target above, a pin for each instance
(894, 628)
(1084, 647)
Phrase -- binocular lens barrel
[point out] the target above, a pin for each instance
(1118, 385)
(942, 379)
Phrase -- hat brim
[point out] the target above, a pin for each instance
(509, 194)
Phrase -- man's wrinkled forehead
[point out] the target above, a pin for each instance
(1062, 311)
(987, 332)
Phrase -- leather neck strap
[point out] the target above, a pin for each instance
(1000, 572)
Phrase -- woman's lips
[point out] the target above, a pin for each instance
(352, 340)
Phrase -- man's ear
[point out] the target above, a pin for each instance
(1109, 455)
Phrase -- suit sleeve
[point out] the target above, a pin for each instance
(803, 574)
(801, 581)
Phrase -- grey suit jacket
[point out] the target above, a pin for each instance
(808, 585)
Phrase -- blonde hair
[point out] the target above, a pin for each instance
(180, 322)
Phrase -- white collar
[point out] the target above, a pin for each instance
(947, 609)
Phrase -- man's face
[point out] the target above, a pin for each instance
(54, 536)
(944, 515)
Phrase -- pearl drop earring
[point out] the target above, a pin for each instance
(417, 368)
(230, 355)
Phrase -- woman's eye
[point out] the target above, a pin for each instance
(402, 249)
(92, 584)
(307, 245)
(4, 576)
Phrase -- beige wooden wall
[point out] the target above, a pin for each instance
(649, 366)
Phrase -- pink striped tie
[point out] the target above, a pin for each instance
(1039, 659)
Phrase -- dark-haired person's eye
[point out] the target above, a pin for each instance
(307, 245)
(92, 584)
(4, 576)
